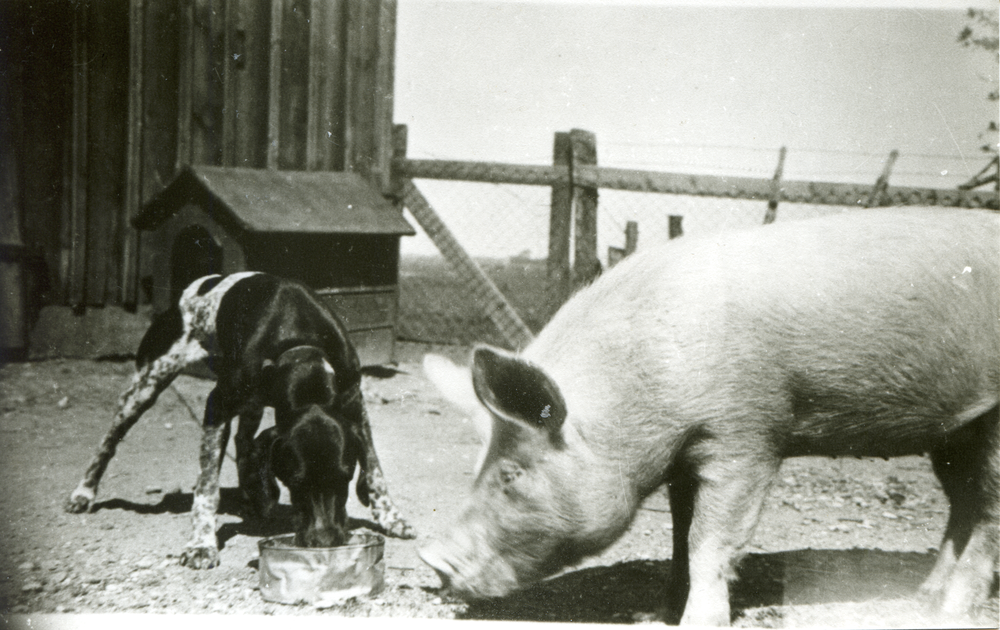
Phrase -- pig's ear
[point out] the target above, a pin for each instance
(455, 384)
(517, 390)
(452, 381)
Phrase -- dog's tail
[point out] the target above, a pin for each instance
(167, 327)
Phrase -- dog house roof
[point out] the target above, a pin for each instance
(263, 201)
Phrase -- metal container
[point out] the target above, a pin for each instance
(321, 576)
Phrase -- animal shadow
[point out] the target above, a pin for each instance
(230, 502)
(639, 590)
(280, 521)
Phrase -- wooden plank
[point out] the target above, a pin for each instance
(882, 183)
(772, 203)
(399, 139)
(67, 203)
(332, 98)
(348, 86)
(631, 237)
(107, 138)
(487, 172)
(294, 85)
(481, 289)
(248, 56)
(586, 265)
(230, 106)
(317, 68)
(206, 84)
(274, 85)
(618, 254)
(324, 150)
(185, 82)
(12, 102)
(360, 108)
(13, 309)
(37, 62)
(76, 279)
(385, 73)
(820, 193)
(133, 159)
(675, 226)
(558, 270)
(162, 62)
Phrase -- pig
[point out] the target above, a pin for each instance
(703, 363)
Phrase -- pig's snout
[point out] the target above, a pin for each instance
(467, 574)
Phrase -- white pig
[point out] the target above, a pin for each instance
(702, 363)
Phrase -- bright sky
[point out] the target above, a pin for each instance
(700, 89)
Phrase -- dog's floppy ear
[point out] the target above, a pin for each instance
(359, 450)
(269, 382)
(286, 463)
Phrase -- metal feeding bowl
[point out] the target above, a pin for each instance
(321, 576)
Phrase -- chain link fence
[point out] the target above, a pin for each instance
(504, 227)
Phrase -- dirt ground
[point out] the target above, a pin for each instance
(844, 542)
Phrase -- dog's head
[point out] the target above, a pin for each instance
(313, 451)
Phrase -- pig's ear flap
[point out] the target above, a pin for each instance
(452, 381)
(455, 384)
(517, 390)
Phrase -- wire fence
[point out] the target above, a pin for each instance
(505, 229)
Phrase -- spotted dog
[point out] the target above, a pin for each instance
(271, 344)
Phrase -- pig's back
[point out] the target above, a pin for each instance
(823, 324)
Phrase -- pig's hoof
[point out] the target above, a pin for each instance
(78, 502)
(198, 557)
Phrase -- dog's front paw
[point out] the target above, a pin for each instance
(80, 501)
(385, 514)
(200, 557)
(401, 529)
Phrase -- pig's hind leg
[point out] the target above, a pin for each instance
(969, 470)
(681, 488)
(731, 483)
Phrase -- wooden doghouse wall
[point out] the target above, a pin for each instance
(290, 84)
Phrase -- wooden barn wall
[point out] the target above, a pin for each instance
(36, 109)
(103, 100)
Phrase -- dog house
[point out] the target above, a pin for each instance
(332, 231)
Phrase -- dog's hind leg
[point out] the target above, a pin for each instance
(149, 381)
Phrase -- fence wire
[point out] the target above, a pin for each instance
(505, 228)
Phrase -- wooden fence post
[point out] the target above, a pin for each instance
(631, 237)
(558, 270)
(882, 183)
(772, 203)
(675, 229)
(617, 254)
(481, 289)
(586, 265)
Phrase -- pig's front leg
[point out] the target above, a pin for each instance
(731, 487)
